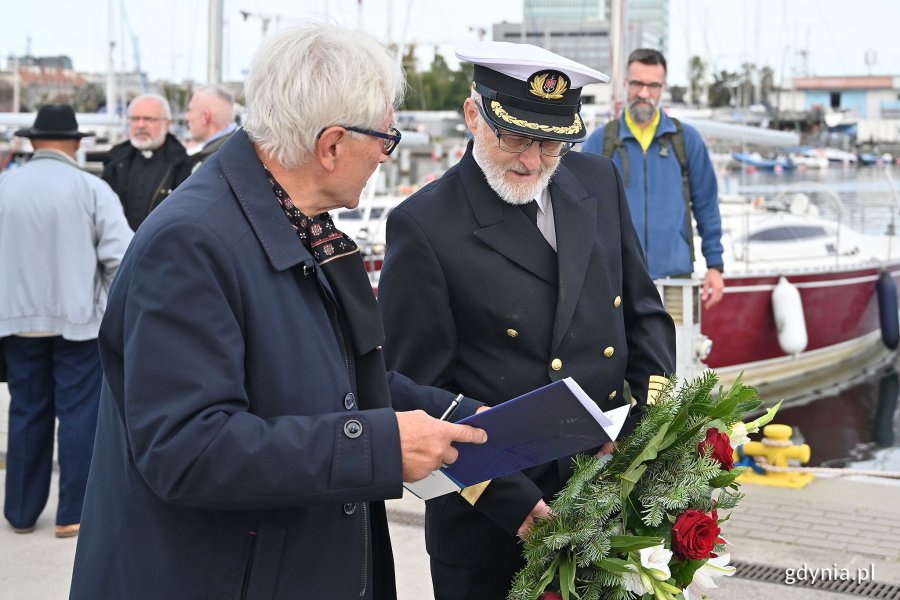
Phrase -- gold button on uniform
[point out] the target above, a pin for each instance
(512, 333)
(609, 352)
(612, 395)
(556, 364)
(617, 302)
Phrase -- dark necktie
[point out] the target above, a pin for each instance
(530, 209)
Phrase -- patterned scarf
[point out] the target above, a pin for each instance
(353, 292)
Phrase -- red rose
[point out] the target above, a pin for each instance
(694, 535)
(721, 448)
(551, 596)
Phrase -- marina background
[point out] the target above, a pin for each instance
(852, 425)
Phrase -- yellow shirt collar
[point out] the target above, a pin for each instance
(643, 136)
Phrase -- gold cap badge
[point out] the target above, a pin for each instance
(550, 85)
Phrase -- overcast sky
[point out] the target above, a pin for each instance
(837, 36)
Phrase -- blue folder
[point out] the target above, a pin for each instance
(551, 422)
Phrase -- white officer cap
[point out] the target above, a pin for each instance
(530, 90)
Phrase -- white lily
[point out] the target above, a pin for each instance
(714, 567)
(656, 561)
(738, 435)
(633, 583)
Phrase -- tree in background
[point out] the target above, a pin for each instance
(439, 88)
(677, 93)
(89, 99)
(697, 74)
(720, 90)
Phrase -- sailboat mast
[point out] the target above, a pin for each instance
(214, 64)
(111, 109)
(616, 59)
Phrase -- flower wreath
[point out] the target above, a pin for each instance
(644, 521)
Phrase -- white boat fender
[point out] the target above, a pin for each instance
(789, 320)
(886, 291)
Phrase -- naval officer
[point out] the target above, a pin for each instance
(519, 267)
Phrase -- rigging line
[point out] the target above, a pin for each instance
(834, 43)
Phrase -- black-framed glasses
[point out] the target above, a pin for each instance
(390, 139)
(517, 144)
(636, 86)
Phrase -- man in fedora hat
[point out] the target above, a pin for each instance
(62, 236)
(519, 267)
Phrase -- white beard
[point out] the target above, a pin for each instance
(512, 193)
(151, 144)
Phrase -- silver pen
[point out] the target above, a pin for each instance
(451, 408)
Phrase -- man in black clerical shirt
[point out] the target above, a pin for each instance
(144, 170)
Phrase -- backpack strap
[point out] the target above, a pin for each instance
(613, 143)
(676, 140)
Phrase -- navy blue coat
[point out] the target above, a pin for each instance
(231, 457)
(474, 300)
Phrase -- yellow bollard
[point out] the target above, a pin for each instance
(776, 449)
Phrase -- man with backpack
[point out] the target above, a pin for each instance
(668, 175)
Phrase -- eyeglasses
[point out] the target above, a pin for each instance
(510, 142)
(637, 86)
(136, 119)
(390, 139)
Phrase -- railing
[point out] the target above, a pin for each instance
(681, 297)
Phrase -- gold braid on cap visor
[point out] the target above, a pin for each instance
(573, 129)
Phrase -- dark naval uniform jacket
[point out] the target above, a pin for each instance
(232, 459)
(476, 301)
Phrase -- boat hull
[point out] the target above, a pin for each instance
(840, 310)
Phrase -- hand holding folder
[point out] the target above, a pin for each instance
(551, 422)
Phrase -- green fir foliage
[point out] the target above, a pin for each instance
(618, 504)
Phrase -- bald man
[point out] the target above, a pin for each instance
(210, 116)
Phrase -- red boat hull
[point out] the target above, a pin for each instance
(838, 307)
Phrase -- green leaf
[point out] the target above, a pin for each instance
(725, 478)
(766, 418)
(630, 479)
(547, 577)
(613, 565)
(567, 577)
(637, 468)
(683, 572)
(630, 543)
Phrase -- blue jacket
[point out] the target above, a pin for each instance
(231, 459)
(655, 195)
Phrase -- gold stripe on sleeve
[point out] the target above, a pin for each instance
(474, 492)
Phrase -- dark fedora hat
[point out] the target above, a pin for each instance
(54, 122)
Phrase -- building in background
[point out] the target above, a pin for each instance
(580, 29)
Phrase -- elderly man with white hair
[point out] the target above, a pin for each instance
(145, 169)
(248, 432)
